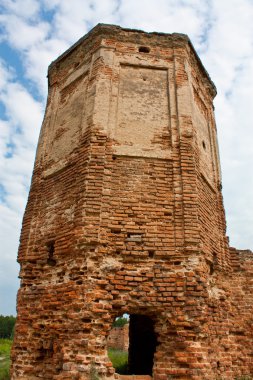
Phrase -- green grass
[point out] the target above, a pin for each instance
(5, 347)
(119, 360)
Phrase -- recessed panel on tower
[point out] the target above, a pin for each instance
(69, 115)
(143, 127)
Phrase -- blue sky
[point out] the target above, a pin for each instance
(35, 32)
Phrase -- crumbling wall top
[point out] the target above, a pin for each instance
(175, 40)
(241, 259)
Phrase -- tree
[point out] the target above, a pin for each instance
(7, 324)
(120, 321)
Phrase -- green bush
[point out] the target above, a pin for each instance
(119, 360)
(5, 348)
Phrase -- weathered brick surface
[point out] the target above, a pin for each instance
(118, 338)
(125, 215)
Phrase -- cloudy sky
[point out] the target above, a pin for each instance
(35, 32)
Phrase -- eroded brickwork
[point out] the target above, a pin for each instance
(125, 215)
(118, 338)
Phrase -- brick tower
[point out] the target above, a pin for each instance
(125, 215)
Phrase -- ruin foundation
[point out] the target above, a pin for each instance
(125, 215)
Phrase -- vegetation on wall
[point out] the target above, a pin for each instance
(120, 322)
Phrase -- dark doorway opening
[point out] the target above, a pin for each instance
(142, 345)
(132, 344)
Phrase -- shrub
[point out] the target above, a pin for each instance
(5, 347)
(119, 360)
(120, 322)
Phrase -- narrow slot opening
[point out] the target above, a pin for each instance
(144, 49)
(213, 264)
(134, 237)
(116, 230)
(50, 249)
(151, 253)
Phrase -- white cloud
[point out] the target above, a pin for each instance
(38, 59)
(73, 19)
(21, 34)
(4, 137)
(229, 60)
(23, 111)
(10, 223)
(23, 8)
(165, 16)
(18, 138)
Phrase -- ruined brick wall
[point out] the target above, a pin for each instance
(118, 338)
(125, 215)
(229, 317)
